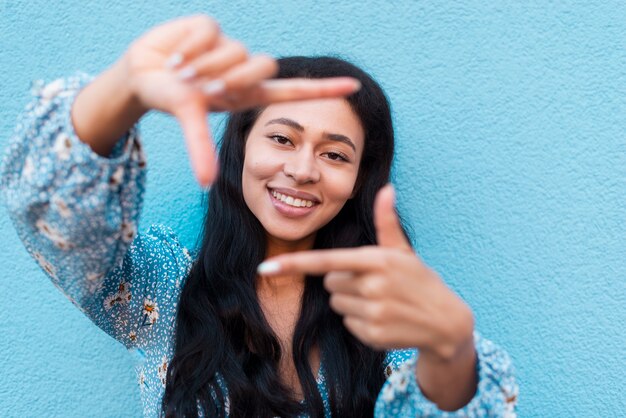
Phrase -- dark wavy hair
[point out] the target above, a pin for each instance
(222, 337)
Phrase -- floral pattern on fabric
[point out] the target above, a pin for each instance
(77, 215)
(496, 395)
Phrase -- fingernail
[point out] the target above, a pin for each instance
(186, 73)
(174, 60)
(214, 87)
(357, 85)
(268, 267)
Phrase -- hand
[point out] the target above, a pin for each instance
(187, 67)
(388, 297)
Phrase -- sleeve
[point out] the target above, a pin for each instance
(496, 395)
(77, 212)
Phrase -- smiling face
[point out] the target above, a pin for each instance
(301, 164)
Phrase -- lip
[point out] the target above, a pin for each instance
(287, 210)
(295, 193)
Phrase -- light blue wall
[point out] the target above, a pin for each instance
(511, 169)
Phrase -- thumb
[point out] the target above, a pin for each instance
(193, 121)
(389, 232)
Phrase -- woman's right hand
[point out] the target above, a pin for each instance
(187, 67)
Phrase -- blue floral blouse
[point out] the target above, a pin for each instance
(77, 214)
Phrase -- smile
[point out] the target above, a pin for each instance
(291, 201)
(291, 206)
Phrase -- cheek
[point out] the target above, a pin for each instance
(259, 162)
(258, 169)
(341, 187)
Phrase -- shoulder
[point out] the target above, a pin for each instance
(160, 252)
(161, 240)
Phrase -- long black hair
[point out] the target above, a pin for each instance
(222, 338)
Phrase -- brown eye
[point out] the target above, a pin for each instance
(283, 140)
(335, 156)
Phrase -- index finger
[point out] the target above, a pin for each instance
(320, 262)
(291, 89)
(192, 119)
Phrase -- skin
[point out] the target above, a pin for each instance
(168, 69)
(291, 146)
(153, 74)
(390, 299)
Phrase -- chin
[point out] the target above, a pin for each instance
(280, 234)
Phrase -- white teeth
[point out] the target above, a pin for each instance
(291, 201)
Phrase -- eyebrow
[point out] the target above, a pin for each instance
(295, 125)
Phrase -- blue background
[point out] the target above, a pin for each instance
(511, 171)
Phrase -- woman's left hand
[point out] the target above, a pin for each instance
(388, 297)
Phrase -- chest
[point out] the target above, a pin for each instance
(282, 318)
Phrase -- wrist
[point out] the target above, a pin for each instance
(446, 372)
(121, 73)
(458, 340)
(448, 353)
(449, 382)
(105, 109)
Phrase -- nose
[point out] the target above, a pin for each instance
(302, 167)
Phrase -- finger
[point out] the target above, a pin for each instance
(286, 90)
(193, 121)
(276, 91)
(368, 286)
(373, 311)
(373, 336)
(341, 282)
(214, 63)
(244, 76)
(389, 232)
(349, 305)
(203, 34)
(169, 34)
(396, 336)
(320, 262)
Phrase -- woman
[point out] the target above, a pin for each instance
(316, 328)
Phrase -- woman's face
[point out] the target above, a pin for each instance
(301, 164)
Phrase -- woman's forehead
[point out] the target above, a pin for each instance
(328, 115)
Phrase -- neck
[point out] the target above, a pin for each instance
(281, 287)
